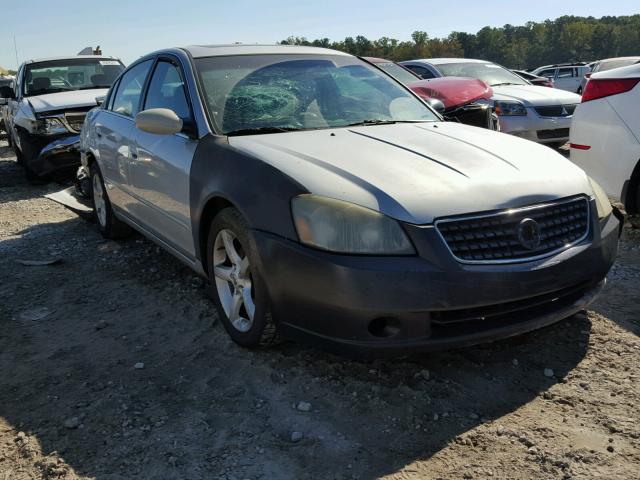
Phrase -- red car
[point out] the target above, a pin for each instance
(465, 100)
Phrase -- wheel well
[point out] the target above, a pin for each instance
(632, 196)
(211, 209)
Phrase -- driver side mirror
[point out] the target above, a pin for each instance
(160, 121)
(6, 92)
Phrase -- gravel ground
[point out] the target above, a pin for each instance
(112, 367)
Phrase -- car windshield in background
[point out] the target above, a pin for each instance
(70, 74)
(610, 65)
(399, 73)
(490, 73)
(270, 93)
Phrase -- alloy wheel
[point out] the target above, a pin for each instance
(234, 284)
(99, 201)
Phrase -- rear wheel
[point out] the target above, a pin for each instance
(108, 224)
(239, 292)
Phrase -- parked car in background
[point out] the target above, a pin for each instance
(534, 79)
(536, 113)
(458, 96)
(565, 76)
(324, 201)
(47, 105)
(608, 64)
(611, 101)
(4, 82)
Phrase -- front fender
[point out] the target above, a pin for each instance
(258, 190)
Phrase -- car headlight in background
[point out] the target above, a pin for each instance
(344, 227)
(51, 126)
(509, 107)
(602, 200)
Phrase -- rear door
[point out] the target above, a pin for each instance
(114, 131)
(162, 163)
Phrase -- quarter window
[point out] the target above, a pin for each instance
(167, 90)
(127, 98)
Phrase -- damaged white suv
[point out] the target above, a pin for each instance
(46, 106)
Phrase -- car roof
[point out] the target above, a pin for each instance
(70, 57)
(614, 59)
(442, 61)
(199, 51)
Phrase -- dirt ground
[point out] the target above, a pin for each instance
(112, 367)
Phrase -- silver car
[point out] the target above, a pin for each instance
(323, 200)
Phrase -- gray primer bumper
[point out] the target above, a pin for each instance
(332, 299)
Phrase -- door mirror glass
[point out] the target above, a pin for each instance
(160, 121)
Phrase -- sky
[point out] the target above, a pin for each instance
(130, 28)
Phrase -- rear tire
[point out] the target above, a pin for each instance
(108, 225)
(239, 292)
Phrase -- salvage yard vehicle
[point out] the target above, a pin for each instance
(459, 96)
(611, 100)
(46, 106)
(608, 64)
(534, 79)
(536, 113)
(324, 201)
(565, 76)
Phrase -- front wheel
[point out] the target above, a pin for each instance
(239, 292)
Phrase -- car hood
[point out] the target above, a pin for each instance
(64, 100)
(452, 91)
(534, 95)
(418, 172)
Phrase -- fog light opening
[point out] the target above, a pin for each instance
(384, 327)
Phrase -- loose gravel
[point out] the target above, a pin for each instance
(113, 367)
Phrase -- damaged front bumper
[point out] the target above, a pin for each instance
(61, 155)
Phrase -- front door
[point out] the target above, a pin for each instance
(160, 170)
(567, 79)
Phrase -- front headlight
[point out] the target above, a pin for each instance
(51, 126)
(344, 227)
(602, 200)
(509, 108)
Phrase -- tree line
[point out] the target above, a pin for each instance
(565, 39)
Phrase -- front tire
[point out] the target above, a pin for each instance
(108, 225)
(239, 292)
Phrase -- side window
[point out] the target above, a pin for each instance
(167, 90)
(127, 97)
(549, 73)
(422, 71)
(566, 72)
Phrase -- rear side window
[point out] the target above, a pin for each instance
(127, 98)
(167, 90)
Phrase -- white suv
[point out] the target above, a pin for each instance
(566, 76)
(605, 134)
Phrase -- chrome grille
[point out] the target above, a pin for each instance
(555, 110)
(503, 236)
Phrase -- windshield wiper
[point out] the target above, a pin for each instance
(504, 83)
(260, 130)
(382, 122)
